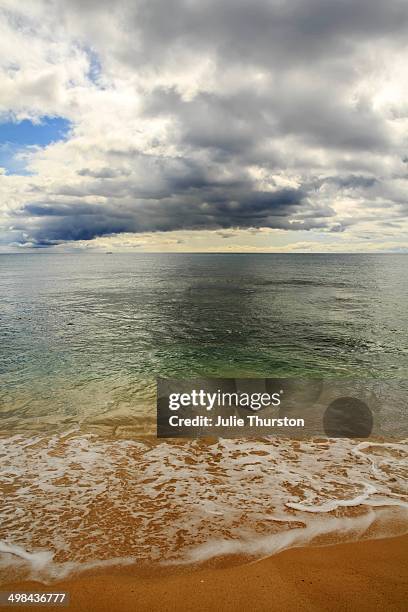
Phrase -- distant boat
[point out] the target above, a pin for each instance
(108, 253)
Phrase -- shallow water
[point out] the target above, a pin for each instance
(83, 337)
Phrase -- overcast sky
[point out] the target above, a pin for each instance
(202, 125)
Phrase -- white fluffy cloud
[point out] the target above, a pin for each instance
(195, 117)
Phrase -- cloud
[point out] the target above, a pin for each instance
(101, 173)
(204, 115)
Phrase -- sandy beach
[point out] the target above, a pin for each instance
(364, 576)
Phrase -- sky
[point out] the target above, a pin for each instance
(204, 125)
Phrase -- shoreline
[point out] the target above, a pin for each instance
(365, 575)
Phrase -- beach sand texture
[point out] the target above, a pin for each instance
(360, 576)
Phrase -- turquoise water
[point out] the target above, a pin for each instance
(83, 336)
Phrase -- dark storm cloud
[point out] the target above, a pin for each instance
(241, 123)
(212, 210)
(260, 32)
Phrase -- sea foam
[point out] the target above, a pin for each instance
(79, 501)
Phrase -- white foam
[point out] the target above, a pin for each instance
(347, 529)
(37, 561)
(77, 500)
(333, 504)
(277, 542)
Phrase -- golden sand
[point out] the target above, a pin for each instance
(362, 576)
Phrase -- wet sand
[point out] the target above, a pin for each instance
(361, 576)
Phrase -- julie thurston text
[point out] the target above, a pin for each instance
(251, 420)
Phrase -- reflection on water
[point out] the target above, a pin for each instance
(83, 337)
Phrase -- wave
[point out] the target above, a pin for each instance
(77, 501)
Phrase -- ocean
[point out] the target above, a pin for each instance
(83, 338)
